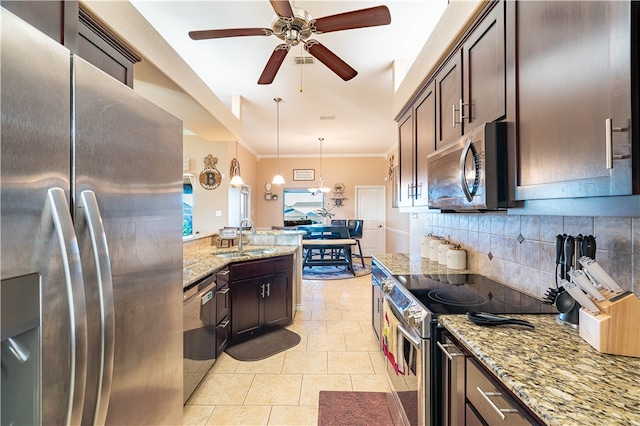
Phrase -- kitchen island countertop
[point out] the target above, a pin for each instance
(553, 371)
(198, 263)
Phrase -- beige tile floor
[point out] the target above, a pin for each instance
(338, 351)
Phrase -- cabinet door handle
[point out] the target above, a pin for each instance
(462, 116)
(262, 290)
(223, 291)
(223, 324)
(609, 129)
(268, 289)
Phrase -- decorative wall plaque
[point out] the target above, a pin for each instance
(210, 177)
(304, 174)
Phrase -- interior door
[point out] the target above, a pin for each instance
(370, 207)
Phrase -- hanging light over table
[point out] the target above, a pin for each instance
(278, 179)
(320, 187)
(236, 179)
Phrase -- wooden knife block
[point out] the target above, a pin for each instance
(616, 329)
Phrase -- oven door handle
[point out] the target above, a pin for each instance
(415, 342)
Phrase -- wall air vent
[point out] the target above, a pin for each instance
(303, 60)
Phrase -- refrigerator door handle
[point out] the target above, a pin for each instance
(58, 206)
(89, 204)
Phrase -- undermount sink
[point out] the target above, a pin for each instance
(250, 252)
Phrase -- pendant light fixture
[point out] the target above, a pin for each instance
(320, 187)
(278, 179)
(236, 179)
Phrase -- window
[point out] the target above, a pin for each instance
(300, 204)
(187, 208)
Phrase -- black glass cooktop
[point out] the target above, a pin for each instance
(461, 293)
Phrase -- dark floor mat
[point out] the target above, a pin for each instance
(353, 409)
(264, 346)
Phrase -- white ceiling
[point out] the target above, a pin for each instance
(363, 123)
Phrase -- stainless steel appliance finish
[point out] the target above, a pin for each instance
(199, 325)
(452, 369)
(91, 204)
(416, 301)
(378, 275)
(411, 386)
(471, 172)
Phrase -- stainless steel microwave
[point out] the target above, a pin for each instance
(470, 173)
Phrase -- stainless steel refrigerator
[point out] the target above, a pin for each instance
(91, 240)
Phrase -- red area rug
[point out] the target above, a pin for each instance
(354, 409)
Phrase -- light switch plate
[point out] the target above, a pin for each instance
(218, 212)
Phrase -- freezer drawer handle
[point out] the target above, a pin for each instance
(89, 204)
(58, 206)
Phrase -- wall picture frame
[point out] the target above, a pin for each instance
(304, 174)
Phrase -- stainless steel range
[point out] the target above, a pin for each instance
(410, 331)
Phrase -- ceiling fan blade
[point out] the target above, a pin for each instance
(273, 65)
(231, 32)
(282, 8)
(362, 18)
(330, 59)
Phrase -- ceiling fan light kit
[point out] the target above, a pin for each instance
(295, 25)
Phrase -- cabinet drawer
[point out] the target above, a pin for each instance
(222, 303)
(223, 333)
(489, 401)
(259, 268)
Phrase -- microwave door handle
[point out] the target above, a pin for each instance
(463, 178)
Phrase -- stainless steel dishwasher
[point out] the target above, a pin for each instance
(199, 332)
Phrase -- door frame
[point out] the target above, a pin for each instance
(382, 210)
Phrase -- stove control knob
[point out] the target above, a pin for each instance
(409, 313)
(415, 320)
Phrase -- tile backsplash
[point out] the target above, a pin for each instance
(520, 250)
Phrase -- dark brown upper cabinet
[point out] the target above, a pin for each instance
(448, 83)
(417, 140)
(470, 87)
(71, 26)
(57, 19)
(103, 50)
(484, 82)
(575, 61)
(406, 159)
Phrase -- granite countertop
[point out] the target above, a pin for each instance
(405, 263)
(554, 371)
(198, 263)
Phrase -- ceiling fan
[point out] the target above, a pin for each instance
(294, 26)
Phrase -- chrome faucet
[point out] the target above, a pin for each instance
(253, 230)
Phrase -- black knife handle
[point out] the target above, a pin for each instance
(569, 249)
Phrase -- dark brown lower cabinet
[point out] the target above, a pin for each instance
(489, 401)
(261, 293)
(469, 394)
